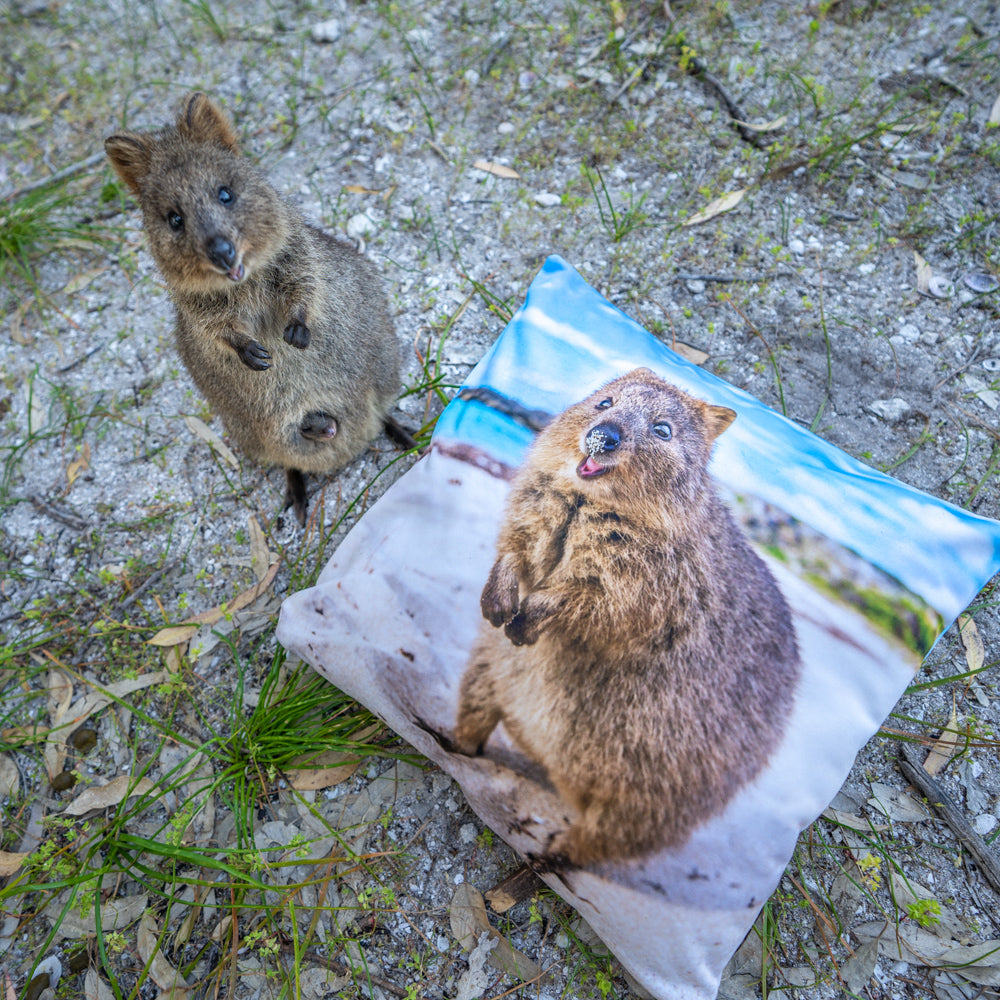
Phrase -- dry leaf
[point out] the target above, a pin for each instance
(994, 118)
(947, 925)
(78, 465)
(174, 635)
(497, 169)
(83, 279)
(260, 557)
(689, 353)
(10, 862)
(202, 430)
(945, 746)
(469, 922)
(116, 915)
(172, 659)
(95, 988)
(162, 972)
(325, 774)
(979, 963)
(117, 789)
(725, 203)
(10, 777)
(897, 805)
(55, 748)
(924, 274)
(851, 821)
(771, 126)
(360, 189)
(975, 653)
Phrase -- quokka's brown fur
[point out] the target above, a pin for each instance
(283, 328)
(635, 646)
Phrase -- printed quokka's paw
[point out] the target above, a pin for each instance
(522, 631)
(318, 427)
(499, 600)
(297, 334)
(254, 356)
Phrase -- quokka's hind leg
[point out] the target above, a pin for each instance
(478, 709)
(399, 434)
(295, 494)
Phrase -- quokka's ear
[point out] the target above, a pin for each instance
(202, 120)
(130, 154)
(718, 418)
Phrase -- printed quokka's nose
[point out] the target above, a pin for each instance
(221, 252)
(602, 438)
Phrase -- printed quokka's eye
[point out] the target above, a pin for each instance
(175, 220)
(226, 196)
(663, 430)
(605, 403)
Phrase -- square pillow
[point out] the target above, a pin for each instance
(649, 645)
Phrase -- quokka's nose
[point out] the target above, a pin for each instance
(221, 252)
(602, 438)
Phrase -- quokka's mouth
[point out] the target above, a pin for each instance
(589, 469)
(235, 273)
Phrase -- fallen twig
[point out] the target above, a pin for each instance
(60, 175)
(939, 799)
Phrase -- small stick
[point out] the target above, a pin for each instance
(914, 772)
(60, 175)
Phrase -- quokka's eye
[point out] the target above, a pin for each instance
(663, 430)
(605, 403)
(226, 196)
(175, 220)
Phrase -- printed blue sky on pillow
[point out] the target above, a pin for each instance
(567, 339)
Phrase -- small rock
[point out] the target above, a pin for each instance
(985, 824)
(468, 833)
(890, 410)
(909, 333)
(326, 31)
(797, 247)
(360, 226)
(505, 128)
(695, 286)
(866, 268)
(547, 200)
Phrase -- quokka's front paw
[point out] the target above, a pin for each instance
(297, 334)
(318, 426)
(254, 355)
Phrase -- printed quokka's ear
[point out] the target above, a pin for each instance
(130, 154)
(201, 120)
(718, 418)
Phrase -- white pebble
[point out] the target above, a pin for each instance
(797, 247)
(360, 225)
(505, 128)
(326, 31)
(547, 199)
(985, 824)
